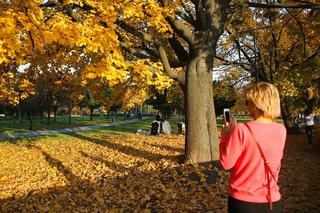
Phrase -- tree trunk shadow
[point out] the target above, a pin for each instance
(128, 150)
(159, 190)
(55, 163)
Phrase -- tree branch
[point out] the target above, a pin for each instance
(229, 62)
(243, 52)
(143, 36)
(29, 32)
(48, 4)
(75, 16)
(186, 18)
(151, 52)
(282, 28)
(200, 15)
(308, 5)
(179, 50)
(180, 77)
(302, 30)
(173, 63)
(189, 17)
(306, 60)
(182, 30)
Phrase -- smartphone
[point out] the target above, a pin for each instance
(226, 115)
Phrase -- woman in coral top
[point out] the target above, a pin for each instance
(253, 151)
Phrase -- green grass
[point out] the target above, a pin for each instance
(241, 119)
(7, 125)
(144, 125)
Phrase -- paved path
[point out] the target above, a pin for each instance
(67, 130)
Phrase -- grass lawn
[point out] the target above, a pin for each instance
(7, 126)
(144, 125)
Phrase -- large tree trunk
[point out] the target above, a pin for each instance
(286, 116)
(91, 113)
(20, 112)
(30, 120)
(41, 116)
(69, 112)
(202, 137)
(49, 114)
(55, 114)
(14, 117)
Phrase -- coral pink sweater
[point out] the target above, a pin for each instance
(240, 153)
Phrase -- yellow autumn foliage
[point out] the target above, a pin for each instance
(28, 32)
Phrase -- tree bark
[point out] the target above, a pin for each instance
(41, 116)
(48, 117)
(14, 117)
(286, 116)
(91, 113)
(30, 120)
(70, 107)
(20, 113)
(202, 137)
(55, 114)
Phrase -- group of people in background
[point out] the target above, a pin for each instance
(162, 126)
(307, 120)
(131, 115)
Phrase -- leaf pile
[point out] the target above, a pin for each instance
(300, 174)
(113, 171)
(107, 171)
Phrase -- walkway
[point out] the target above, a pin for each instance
(67, 130)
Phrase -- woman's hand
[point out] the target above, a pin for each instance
(228, 127)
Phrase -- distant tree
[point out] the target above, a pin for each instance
(277, 43)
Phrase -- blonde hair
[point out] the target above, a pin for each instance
(266, 98)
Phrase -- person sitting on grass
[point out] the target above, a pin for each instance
(165, 127)
(155, 127)
(181, 128)
(160, 126)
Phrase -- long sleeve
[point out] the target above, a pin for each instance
(240, 153)
(231, 148)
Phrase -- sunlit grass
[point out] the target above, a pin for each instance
(9, 126)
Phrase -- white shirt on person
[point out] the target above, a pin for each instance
(166, 128)
(309, 120)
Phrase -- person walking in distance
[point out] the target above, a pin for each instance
(253, 151)
(309, 123)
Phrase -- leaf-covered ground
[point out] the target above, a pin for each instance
(300, 174)
(107, 171)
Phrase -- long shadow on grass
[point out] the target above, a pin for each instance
(128, 150)
(22, 140)
(111, 165)
(159, 190)
(180, 150)
(55, 163)
(133, 127)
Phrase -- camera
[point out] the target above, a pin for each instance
(226, 115)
